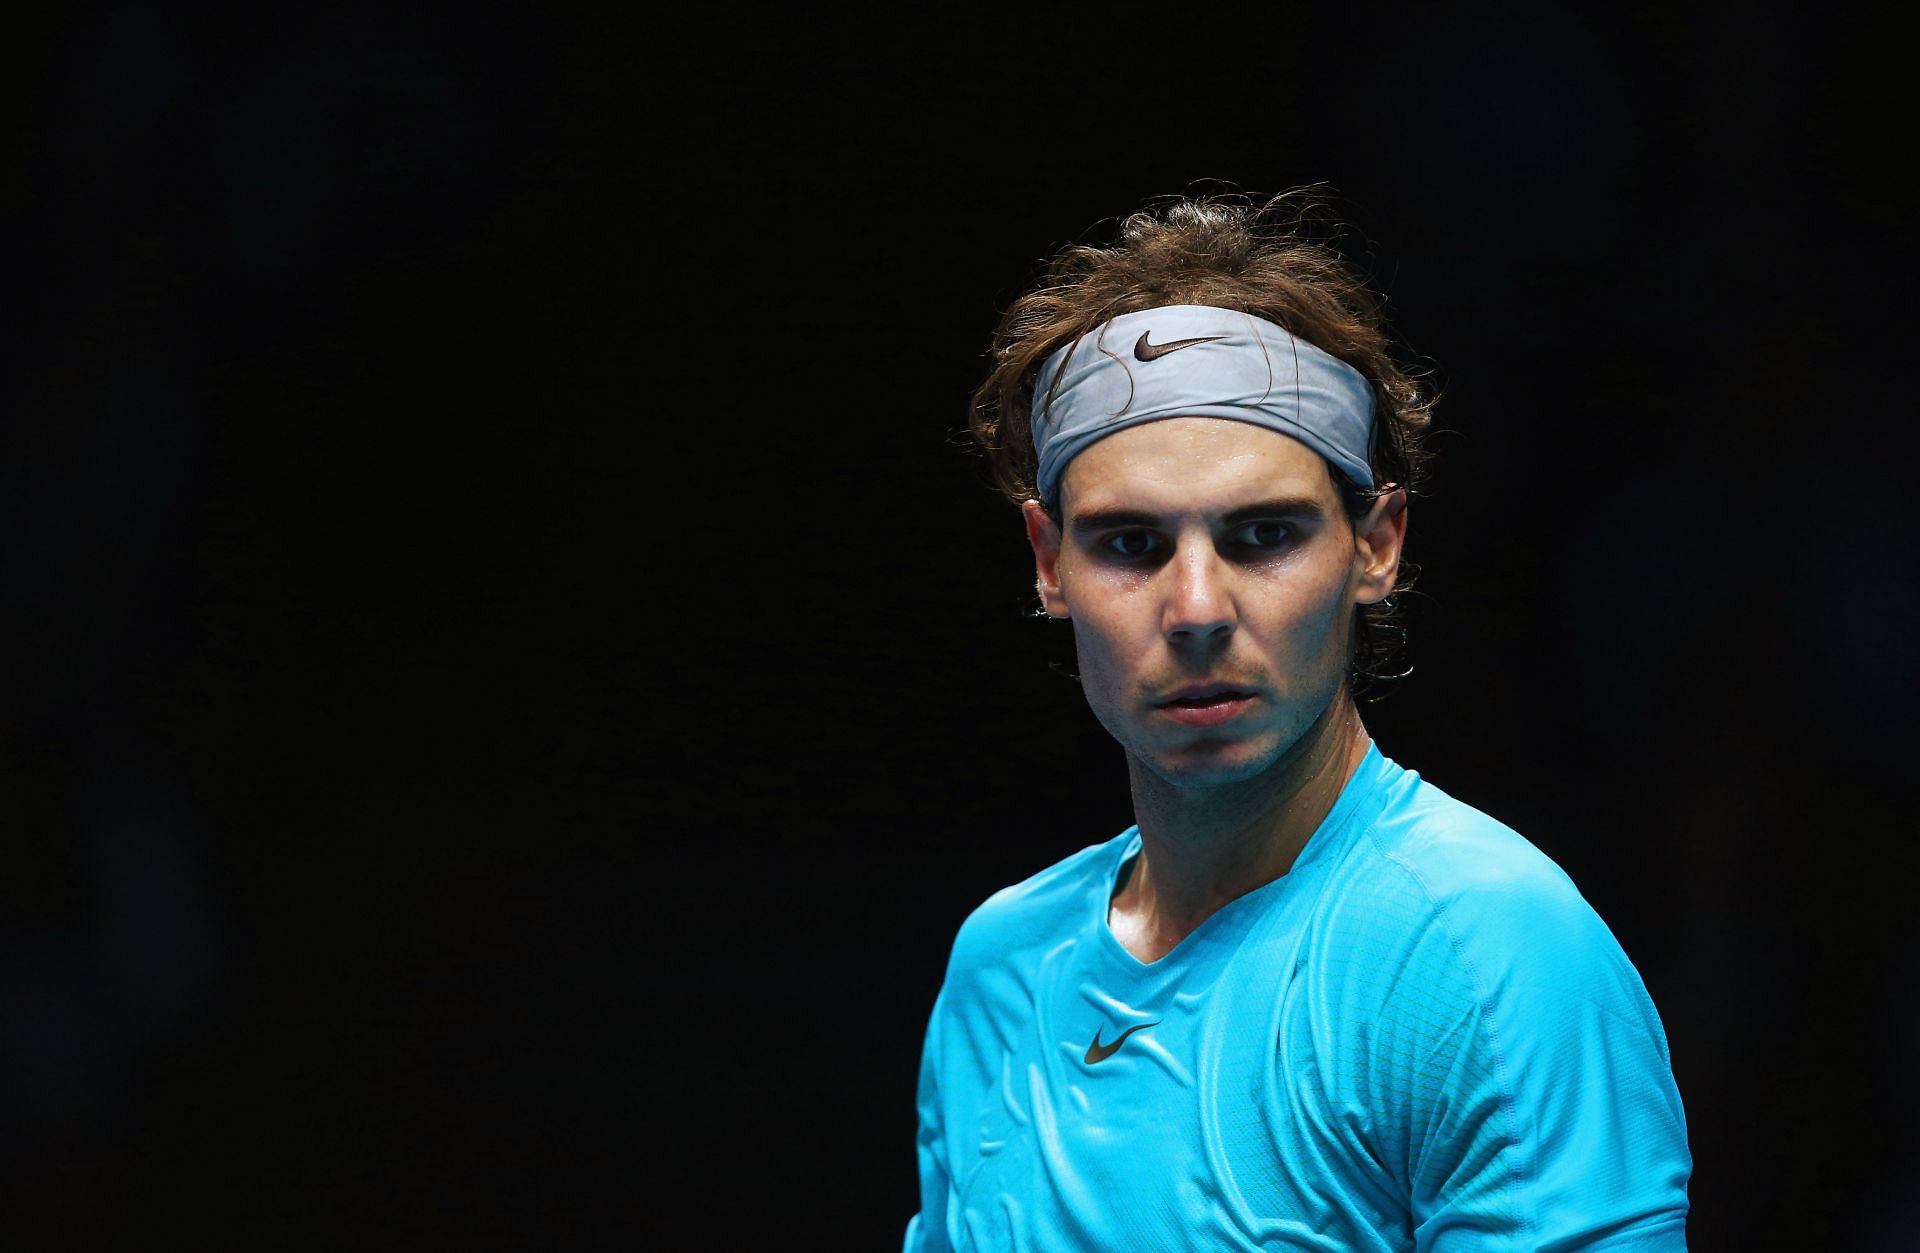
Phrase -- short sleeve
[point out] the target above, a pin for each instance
(1537, 1101)
(927, 1230)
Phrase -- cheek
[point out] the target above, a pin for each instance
(1114, 621)
(1330, 609)
(1100, 646)
(1308, 615)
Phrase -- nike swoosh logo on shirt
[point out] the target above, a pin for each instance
(1098, 1052)
(1144, 351)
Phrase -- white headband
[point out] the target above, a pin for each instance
(1198, 361)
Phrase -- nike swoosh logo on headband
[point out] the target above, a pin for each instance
(1144, 351)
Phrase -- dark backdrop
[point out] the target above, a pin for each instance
(511, 685)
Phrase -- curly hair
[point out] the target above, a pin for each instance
(1275, 259)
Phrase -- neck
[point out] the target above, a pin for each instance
(1204, 847)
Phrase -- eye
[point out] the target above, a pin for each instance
(1267, 534)
(1130, 543)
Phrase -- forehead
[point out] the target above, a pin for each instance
(1179, 464)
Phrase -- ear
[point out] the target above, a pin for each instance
(1044, 536)
(1377, 540)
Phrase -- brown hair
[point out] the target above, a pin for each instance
(1274, 259)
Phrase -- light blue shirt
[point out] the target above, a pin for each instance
(1420, 1037)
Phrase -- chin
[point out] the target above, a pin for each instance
(1206, 764)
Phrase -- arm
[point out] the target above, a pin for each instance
(927, 1230)
(1541, 1112)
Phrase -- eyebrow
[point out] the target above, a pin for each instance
(1280, 507)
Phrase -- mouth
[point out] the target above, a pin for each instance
(1202, 695)
(1213, 705)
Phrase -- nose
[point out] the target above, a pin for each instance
(1200, 604)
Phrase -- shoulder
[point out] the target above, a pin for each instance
(1036, 912)
(1557, 1115)
(1457, 852)
(1444, 919)
(1517, 921)
(1450, 871)
(1503, 1047)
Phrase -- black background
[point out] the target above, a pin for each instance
(511, 683)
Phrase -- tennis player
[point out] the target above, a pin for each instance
(1310, 1000)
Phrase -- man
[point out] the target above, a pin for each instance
(1309, 1001)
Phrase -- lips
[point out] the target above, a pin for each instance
(1201, 694)
(1204, 706)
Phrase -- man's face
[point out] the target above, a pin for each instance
(1201, 551)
